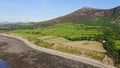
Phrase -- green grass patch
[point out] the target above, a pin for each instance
(95, 57)
(44, 44)
(86, 43)
(71, 51)
(117, 44)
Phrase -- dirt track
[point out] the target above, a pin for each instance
(19, 55)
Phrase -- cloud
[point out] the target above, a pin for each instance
(17, 19)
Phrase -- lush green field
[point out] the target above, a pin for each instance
(68, 30)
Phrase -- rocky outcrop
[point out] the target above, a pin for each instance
(107, 60)
(84, 52)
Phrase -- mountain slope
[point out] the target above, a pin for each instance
(86, 14)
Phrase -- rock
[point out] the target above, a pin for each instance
(107, 60)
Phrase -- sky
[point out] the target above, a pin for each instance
(40, 10)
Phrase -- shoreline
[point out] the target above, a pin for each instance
(62, 54)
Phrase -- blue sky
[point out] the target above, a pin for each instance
(39, 10)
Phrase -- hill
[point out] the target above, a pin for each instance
(86, 14)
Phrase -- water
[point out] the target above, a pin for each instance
(3, 64)
(36, 58)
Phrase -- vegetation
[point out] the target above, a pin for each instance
(92, 46)
(43, 44)
(9, 27)
(97, 30)
(117, 44)
(68, 30)
(111, 37)
(66, 50)
(86, 43)
(52, 39)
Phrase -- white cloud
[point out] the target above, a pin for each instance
(17, 19)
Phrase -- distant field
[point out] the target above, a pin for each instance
(117, 44)
(68, 30)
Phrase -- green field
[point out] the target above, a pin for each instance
(67, 30)
(54, 39)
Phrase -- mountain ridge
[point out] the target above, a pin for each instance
(85, 14)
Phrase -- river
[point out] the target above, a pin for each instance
(18, 55)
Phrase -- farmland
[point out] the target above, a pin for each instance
(62, 33)
(67, 30)
(89, 45)
(90, 49)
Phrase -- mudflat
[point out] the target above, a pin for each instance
(18, 55)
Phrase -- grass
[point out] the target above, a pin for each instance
(71, 51)
(44, 44)
(67, 30)
(62, 49)
(53, 39)
(89, 45)
(95, 57)
(70, 31)
(86, 43)
(117, 44)
(64, 45)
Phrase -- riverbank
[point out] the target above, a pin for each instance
(19, 55)
(61, 54)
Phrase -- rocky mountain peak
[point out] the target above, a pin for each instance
(87, 8)
(85, 14)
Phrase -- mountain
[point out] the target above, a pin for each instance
(87, 14)
(6, 23)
